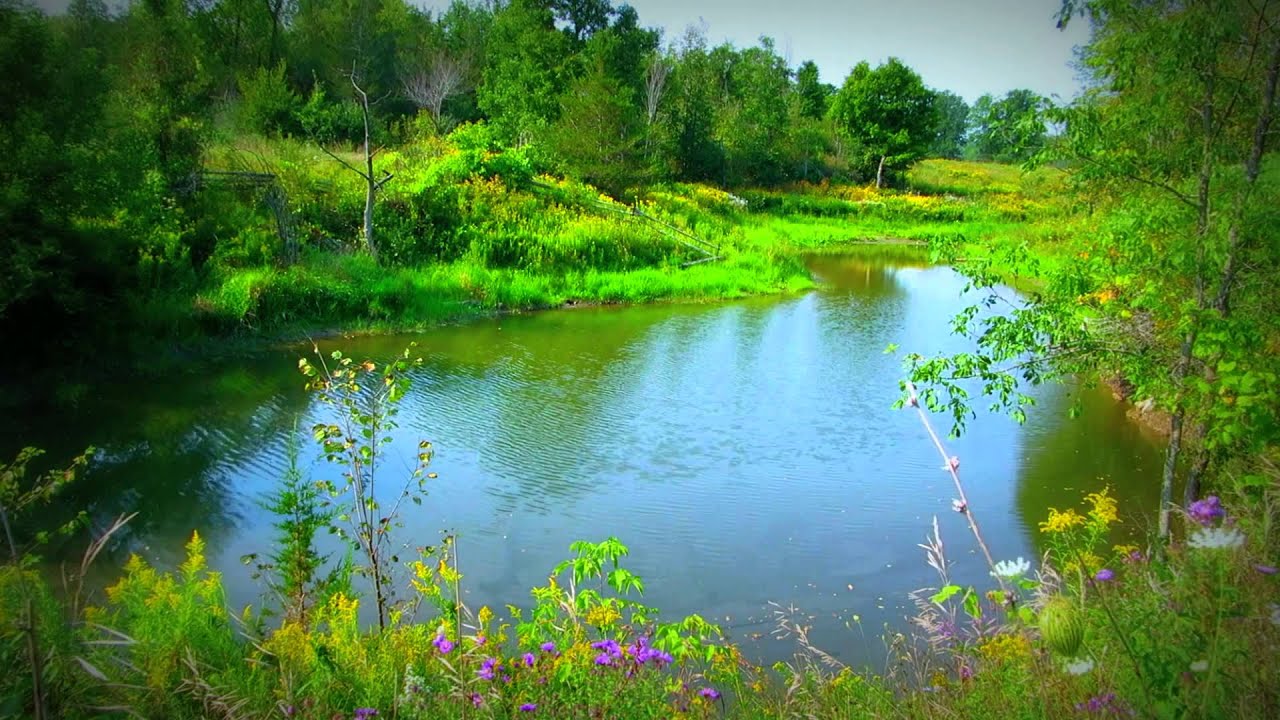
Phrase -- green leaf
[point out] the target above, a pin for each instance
(945, 594)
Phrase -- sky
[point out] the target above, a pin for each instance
(969, 47)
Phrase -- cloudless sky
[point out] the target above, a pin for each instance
(969, 47)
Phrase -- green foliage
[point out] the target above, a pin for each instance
(365, 400)
(888, 113)
(267, 104)
(1010, 130)
(953, 125)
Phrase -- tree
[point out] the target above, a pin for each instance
(522, 81)
(812, 92)
(583, 17)
(444, 76)
(1173, 289)
(373, 183)
(598, 133)
(888, 112)
(1010, 129)
(953, 121)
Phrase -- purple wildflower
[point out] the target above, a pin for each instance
(709, 693)
(1107, 703)
(486, 669)
(443, 644)
(1206, 511)
(1135, 556)
(1266, 569)
(610, 647)
(604, 659)
(476, 699)
(548, 647)
(966, 672)
(529, 659)
(290, 710)
(365, 713)
(1104, 575)
(480, 640)
(528, 707)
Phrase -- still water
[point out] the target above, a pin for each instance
(746, 452)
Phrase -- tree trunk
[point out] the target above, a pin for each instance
(880, 173)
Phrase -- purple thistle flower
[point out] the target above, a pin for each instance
(1104, 575)
(1266, 569)
(709, 693)
(476, 699)
(1206, 511)
(529, 659)
(548, 647)
(528, 707)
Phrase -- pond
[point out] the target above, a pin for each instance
(747, 452)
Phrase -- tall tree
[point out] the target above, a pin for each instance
(522, 80)
(583, 18)
(598, 133)
(1010, 129)
(888, 112)
(953, 122)
(813, 93)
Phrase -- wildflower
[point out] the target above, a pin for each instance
(1200, 666)
(476, 699)
(959, 505)
(1104, 575)
(480, 640)
(1061, 520)
(529, 659)
(604, 659)
(1206, 511)
(1266, 569)
(443, 644)
(548, 647)
(528, 707)
(1080, 667)
(1010, 568)
(486, 669)
(290, 711)
(1104, 507)
(709, 693)
(1135, 556)
(1216, 538)
(610, 646)
(966, 672)
(365, 713)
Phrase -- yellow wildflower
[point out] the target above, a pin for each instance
(1104, 507)
(1005, 647)
(1061, 520)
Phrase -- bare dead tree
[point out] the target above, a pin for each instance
(372, 183)
(445, 76)
(655, 83)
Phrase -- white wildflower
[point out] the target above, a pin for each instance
(1213, 538)
(1200, 666)
(1010, 569)
(1080, 667)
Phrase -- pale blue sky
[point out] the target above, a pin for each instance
(966, 46)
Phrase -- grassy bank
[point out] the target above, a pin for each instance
(467, 228)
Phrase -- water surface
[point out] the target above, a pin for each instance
(746, 452)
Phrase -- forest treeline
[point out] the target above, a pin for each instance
(110, 114)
